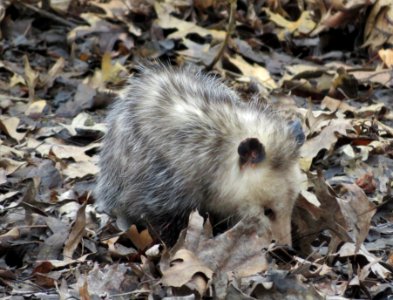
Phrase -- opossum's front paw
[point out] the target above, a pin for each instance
(260, 224)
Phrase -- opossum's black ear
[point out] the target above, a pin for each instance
(251, 151)
(297, 131)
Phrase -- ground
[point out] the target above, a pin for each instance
(62, 64)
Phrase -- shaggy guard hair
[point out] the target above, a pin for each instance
(172, 147)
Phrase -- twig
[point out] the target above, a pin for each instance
(230, 29)
(48, 15)
(13, 98)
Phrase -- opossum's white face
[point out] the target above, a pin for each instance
(263, 180)
(261, 191)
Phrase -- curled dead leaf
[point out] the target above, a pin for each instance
(186, 268)
(357, 211)
(379, 29)
(76, 234)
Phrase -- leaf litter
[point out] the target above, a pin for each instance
(64, 62)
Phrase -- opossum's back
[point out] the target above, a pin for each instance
(185, 117)
(162, 137)
(174, 103)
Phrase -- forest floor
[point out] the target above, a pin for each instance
(62, 63)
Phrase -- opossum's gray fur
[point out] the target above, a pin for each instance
(172, 146)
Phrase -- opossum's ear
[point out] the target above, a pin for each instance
(297, 131)
(251, 151)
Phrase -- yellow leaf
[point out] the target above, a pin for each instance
(254, 71)
(303, 25)
(16, 79)
(166, 21)
(36, 108)
(386, 56)
(31, 77)
(109, 72)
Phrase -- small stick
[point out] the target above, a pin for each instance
(48, 15)
(230, 29)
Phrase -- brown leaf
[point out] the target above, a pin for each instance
(379, 30)
(254, 71)
(184, 268)
(167, 21)
(83, 122)
(53, 73)
(336, 105)
(349, 249)
(367, 183)
(80, 169)
(142, 240)
(45, 280)
(36, 109)
(7, 274)
(31, 77)
(326, 139)
(76, 234)
(62, 151)
(304, 25)
(9, 236)
(237, 251)
(10, 165)
(43, 267)
(357, 211)
(110, 71)
(84, 290)
(311, 220)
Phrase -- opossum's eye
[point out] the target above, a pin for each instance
(251, 151)
(270, 213)
(297, 131)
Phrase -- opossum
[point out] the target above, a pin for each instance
(180, 140)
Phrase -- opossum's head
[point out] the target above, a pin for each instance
(265, 179)
(251, 150)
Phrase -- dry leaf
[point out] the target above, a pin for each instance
(326, 139)
(379, 29)
(110, 71)
(253, 71)
(186, 267)
(31, 77)
(349, 249)
(357, 210)
(80, 169)
(36, 109)
(304, 25)
(386, 56)
(76, 234)
(184, 28)
(142, 240)
(9, 125)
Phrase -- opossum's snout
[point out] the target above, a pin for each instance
(280, 225)
(251, 151)
(297, 131)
